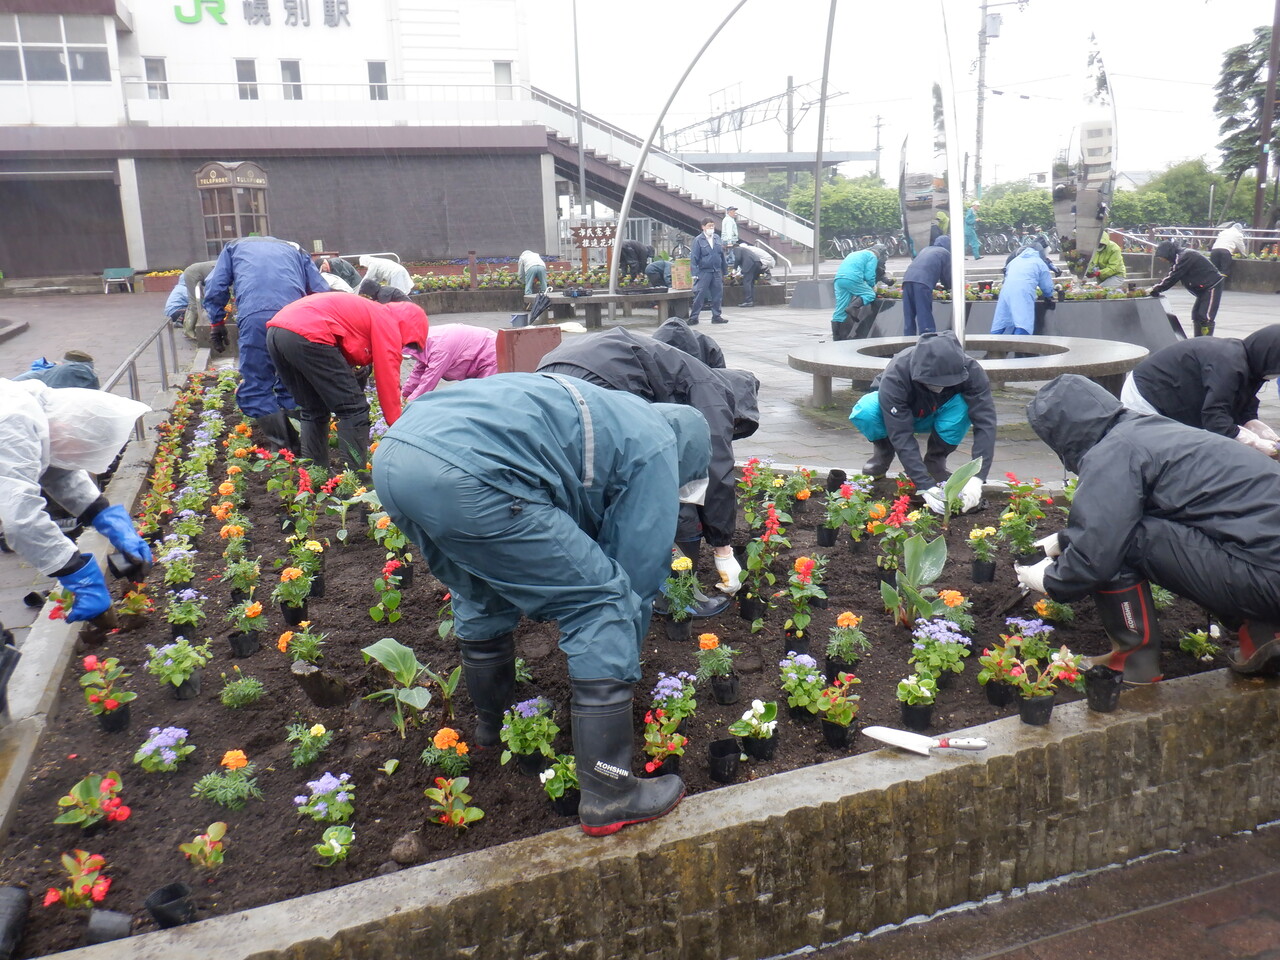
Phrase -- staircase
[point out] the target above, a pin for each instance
(670, 191)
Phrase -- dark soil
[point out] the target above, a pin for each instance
(269, 855)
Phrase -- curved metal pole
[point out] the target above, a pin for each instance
(638, 169)
(822, 129)
(955, 190)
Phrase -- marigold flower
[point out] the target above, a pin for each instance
(234, 759)
(952, 598)
(314, 546)
(1042, 607)
(318, 730)
(708, 641)
(383, 523)
(231, 531)
(241, 453)
(461, 748)
(283, 643)
(253, 610)
(804, 565)
(361, 490)
(802, 493)
(681, 564)
(877, 511)
(778, 482)
(234, 469)
(289, 573)
(445, 738)
(848, 620)
(244, 429)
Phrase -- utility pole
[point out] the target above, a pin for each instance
(582, 151)
(879, 124)
(822, 129)
(1266, 130)
(791, 129)
(982, 100)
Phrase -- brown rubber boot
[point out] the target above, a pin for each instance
(1259, 651)
(1128, 615)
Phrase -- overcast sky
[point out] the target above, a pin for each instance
(1163, 57)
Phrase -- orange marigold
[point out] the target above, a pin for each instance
(223, 510)
(802, 493)
(877, 511)
(253, 610)
(1042, 607)
(234, 759)
(241, 453)
(230, 531)
(461, 748)
(847, 620)
(290, 573)
(226, 488)
(234, 469)
(708, 641)
(383, 523)
(283, 643)
(243, 429)
(952, 598)
(445, 738)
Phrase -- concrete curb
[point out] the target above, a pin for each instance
(11, 328)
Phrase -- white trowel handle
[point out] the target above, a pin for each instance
(962, 743)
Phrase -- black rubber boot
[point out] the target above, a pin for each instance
(881, 458)
(1259, 651)
(275, 432)
(1128, 615)
(489, 669)
(935, 458)
(612, 796)
(9, 657)
(841, 330)
(315, 442)
(353, 442)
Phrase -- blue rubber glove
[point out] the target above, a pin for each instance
(90, 589)
(117, 526)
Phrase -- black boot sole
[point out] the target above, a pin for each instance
(604, 830)
(1265, 661)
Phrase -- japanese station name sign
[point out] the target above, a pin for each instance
(297, 13)
(601, 236)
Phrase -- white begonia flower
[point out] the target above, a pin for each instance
(757, 706)
(546, 775)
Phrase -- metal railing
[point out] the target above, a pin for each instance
(1198, 237)
(129, 368)
(786, 270)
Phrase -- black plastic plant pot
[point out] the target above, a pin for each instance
(189, 688)
(238, 595)
(835, 479)
(567, 805)
(836, 735)
(726, 690)
(1102, 687)
(121, 567)
(531, 764)
(722, 759)
(244, 643)
(984, 571)
(15, 905)
(827, 536)
(759, 748)
(405, 573)
(113, 721)
(679, 631)
(1036, 710)
(293, 615)
(835, 666)
(671, 765)
(917, 716)
(801, 714)
(171, 905)
(751, 608)
(856, 545)
(320, 688)
(999, 693)
(107, 925)
(317, 584)
(180, 630)
(797, 643)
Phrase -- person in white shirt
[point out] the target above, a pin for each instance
(729, 235)
(387, 273)
(1229, 242)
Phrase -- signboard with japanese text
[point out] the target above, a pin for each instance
(290, 13)
(598, 236)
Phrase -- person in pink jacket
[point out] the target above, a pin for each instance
(316, 342)
(454, 351)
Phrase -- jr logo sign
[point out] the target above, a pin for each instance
(215, 9)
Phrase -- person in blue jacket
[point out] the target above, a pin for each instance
(707, 263)
(1016, 309)
(856, 287)
(932, 267)
(971, 240)
(267, 274)
(578, 530)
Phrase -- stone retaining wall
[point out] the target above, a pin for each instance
(1247, 276)
(811, 856)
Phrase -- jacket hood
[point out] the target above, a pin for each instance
(939, 361)
(693, 440)
(1262, 347)
(1071, 414)
(881, 251)
(676, 333)
(943, 241)
(746, 406)
(411, 320)
(1167, 250)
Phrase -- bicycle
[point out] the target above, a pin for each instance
(680, 250)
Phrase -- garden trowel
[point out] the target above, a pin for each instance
(921, 744)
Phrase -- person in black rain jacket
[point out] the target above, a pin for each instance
(1194, 271)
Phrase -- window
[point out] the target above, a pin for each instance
(247, 77)
(291, 77)
(157, 77)
(502, 79)
(47, 48)
(377, 80)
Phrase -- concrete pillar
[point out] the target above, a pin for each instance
(131, 208)
(550, 208)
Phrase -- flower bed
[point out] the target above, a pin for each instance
(275, 844)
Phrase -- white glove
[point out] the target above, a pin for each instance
(970, 495)
(1032, 576)
(935, 500)
(730, 574)
(1251, 439)
(1261, 429)
(1051, 545)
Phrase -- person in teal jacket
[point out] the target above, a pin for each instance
(971, 230)
(1107, 265)
(578, 531)
(856, 287)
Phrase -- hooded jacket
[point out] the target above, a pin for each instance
(676, 333)
(454, 351)
(365, 331)
(1017, 304)
(1191, 268)
(905, 397)
(862, 270)
(1232, 240)
(267, 274)
(622, 360)
(1210, 382)
(1133, 466)
(932, 266)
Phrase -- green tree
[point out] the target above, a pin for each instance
(851, 208)
(1242, 91)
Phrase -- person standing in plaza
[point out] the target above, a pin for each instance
(971, 240)
(193, 279)
(1201, 278)
(855, 287)
(729, 236)
(1228, 243)
(707, 263)
(531, 270)
(267, 274)
(931, 268)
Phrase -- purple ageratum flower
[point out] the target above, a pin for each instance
(939, 631)
(183, 514)
(667, 688)
(802, 660)
(300, 801)
(327, 783)
(189, 595)
(532, 708)
(167, 755)
(321, 807)
(341, 797)
(1028, 628)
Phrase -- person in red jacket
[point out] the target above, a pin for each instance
(316, 341)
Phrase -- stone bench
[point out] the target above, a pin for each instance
(678, 301)
(1010, 358)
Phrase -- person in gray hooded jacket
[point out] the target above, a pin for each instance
(1193, 511)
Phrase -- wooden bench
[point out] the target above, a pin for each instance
(1104, 361)
(122, 276)
(671, 303)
